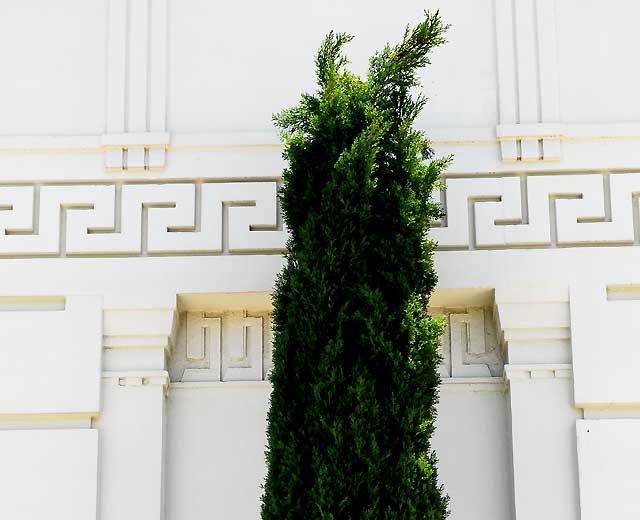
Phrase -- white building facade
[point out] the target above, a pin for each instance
(140, 237)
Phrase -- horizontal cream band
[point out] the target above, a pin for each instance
(46, 417)
(493, 384)
(270, 139)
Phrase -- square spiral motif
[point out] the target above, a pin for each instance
(222, 347)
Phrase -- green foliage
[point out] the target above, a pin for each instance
(356, 354)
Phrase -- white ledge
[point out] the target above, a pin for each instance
(219, 385)
(472, 380)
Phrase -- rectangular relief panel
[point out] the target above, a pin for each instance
(48, 474)
(50, 355)
(230, 346)
(608, 461)
(604, 332)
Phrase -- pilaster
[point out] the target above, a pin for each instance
(136, 137)
(534, 331)
(132, 424)
(528, 81)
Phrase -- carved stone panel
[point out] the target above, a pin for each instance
(469, 344)
(222, 347)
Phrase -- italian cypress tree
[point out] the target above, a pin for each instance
(355, 352)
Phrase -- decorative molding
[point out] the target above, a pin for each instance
(530, 142)
(136, 85)
(135, 152)
(139, 328)
(631, 411)
(137, 339)
(134, 379)
(534, 325)
(527, 80)
(195, 217)
(532, 211)
(220, 385)
(537, 372)
(53, 421)
(473, 384)
(454, 381)
(450, 384)
(229, 346)
(140, 219)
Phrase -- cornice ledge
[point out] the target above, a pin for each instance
(139, 328)
(219, 385)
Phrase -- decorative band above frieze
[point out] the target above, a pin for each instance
(136, 140)
(531, 131)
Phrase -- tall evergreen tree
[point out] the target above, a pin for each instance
(355, 353)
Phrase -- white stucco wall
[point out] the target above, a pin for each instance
(135, 281)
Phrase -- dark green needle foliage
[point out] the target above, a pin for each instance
(356, 354)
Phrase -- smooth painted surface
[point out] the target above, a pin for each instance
(544, 450)
(284, 35)
(608, 459)
(56, 86)
(48, 474)
(472, 432)
(131, 446)
(215, 455)
(222, 426)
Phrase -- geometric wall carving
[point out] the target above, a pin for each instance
(469, 346)
(222, 347)
(193, 217)
(136, 219)
(539, 211)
